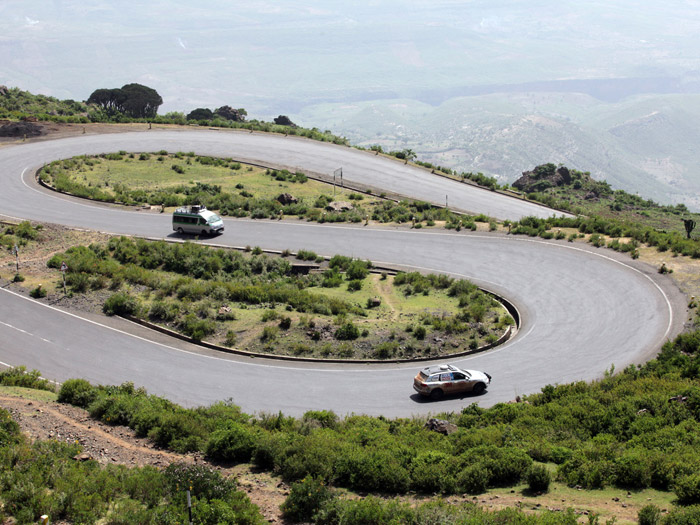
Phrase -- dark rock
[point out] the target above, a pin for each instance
(441, 426)
(20, 129)
(374, 302)
(543, 177)
(287, 198)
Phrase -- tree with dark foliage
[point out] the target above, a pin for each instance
(110, 100)
(141, 101)
(132, 100)
(200, 114)
(283, 120)
(689, 226)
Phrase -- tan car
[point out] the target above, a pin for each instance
(438, 381)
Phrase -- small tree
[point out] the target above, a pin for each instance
(111, 101)
(141, 101)
(689, 226)
(200, 114)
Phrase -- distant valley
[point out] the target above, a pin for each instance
(643, 143)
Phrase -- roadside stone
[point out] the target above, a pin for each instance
(338, 206)
(287, 198)
(441, 426)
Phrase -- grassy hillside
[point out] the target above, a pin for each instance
(15, 103)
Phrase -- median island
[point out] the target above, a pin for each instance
(166, 181)
(285, 305)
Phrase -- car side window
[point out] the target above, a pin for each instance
(446, 377)
(457, 376)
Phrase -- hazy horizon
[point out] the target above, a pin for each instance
(319, 61)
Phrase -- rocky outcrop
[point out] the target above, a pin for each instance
(20, 129)
(287, 198)
(441, 426)
(339, 206)
(543, 177)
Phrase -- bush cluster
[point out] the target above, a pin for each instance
(632, 430)
(44, 478)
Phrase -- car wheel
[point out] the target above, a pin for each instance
(436, 394)
(180, 231)
(479, 388)
(204, 233)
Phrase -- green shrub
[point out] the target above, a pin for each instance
(325, 418)
(78, 282)
(306, 255)
(683, 516)
(649, 515)
(433, 472)
(373, 470)
(687, 489)
(231, 338)
(120, 303)
(269, 334)
(357, 270)
(473, 479)
(538, 478)
(633, 469)
(331, 279)
(24, 230)
(18, 376)
(38, 292)
(178, 432)
(204, 482)
(233, 443)
(347, 332)
(507, 465)
(386, 349)
(197, 328)
(9, 430)
(306, 498)
(354, 285)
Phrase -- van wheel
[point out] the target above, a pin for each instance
(180, 231)
(479, 389)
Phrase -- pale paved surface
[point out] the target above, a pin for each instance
(583, 309)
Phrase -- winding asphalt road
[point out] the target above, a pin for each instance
(583, 310)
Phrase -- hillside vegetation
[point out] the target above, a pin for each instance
(634, 430)
(16, 104)
(643, 143)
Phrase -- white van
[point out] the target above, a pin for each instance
(197, 220)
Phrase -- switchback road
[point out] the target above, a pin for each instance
(583, 309)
